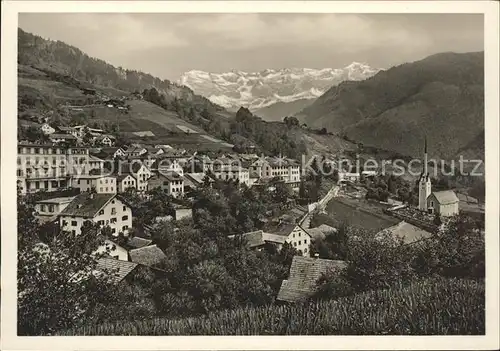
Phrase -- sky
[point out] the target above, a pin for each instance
(167, 45)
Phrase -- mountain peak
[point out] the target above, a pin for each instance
(256, 90)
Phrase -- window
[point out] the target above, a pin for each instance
(106, 189)
(124, 208)
(112, 201)
(42, 208)
(113, 230)
(78, 181)
(113, 211)
(125, 227)
(294, 243)
(113, 220)
(74, 223)
(305, 241)
(51, 208)
(101, 212)
(100, 189)
(305, 250)
(300, 242)
(73, 232)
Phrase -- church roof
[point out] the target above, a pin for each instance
(446, 197)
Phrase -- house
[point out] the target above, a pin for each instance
(170, 182)
(349, 176)
(102, 184)
(195, 180)
(125, 181)
(137, 170)
(50, 208)
(47, 129)
(292, 233)
(135, 151)
(112, 152)
(69, 130)
(105, 139)
(95, 164)
(407, 232)
(148, 255)
(119, 269)
(154, 151)
(304, 275)
(103, 209)
(257, 240)
(166, 165)
(114, 250)
(444, 203)
(57, 138)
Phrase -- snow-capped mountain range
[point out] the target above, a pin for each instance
(256, 90)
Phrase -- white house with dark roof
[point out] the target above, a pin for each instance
(291, 233)
(170, 182)
(50, 208)
(139, 171)
(106, 139)
(103, 209)
(444, 203)
(125, 181)
(103, 184)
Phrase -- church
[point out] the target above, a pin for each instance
(443, 203)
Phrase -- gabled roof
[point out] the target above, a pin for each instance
(131, 168)
(148, 255)
(137, 242)
(61, 136)
(87, 205)
(117, 268)
(282, 229)
(169, 176)
(56, 200)
(446, 197)
(304, 274)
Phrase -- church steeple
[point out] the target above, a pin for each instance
(425, 173)
(425, 186)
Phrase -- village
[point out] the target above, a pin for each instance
(77, 174)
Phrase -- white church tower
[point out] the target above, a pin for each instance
(424, 184)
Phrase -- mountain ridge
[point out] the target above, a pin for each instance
(441, 97)
(257, 90)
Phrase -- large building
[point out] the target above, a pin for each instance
(49, 167)
(286, 169)
(103, 209)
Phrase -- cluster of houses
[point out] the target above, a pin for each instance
(77, 134)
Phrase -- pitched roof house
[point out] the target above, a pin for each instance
(444, 203)
(104, 209)
(304, 275)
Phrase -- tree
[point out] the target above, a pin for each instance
(57, 284)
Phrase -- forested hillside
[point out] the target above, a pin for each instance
(441, 97)
(52, 74)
